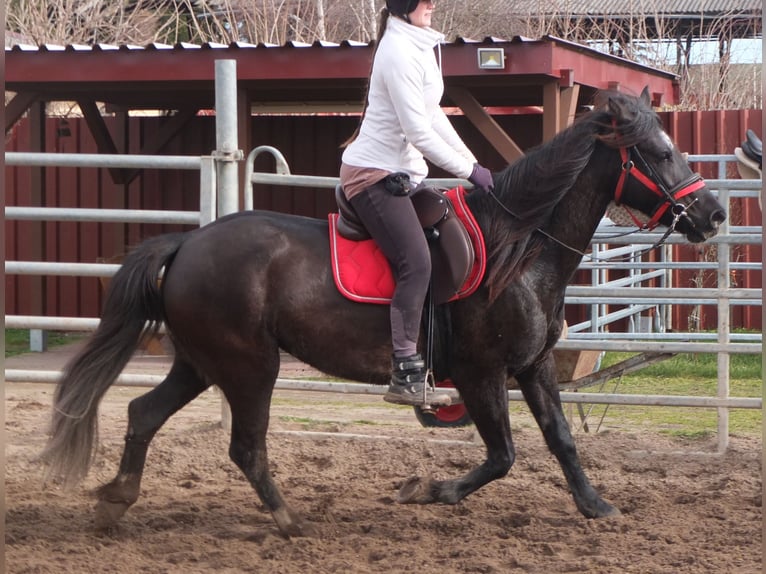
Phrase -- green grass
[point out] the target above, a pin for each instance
(695, 365)
(684, 374)
(17, 340)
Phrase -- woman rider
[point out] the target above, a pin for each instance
(402, 124)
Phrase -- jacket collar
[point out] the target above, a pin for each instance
(423, 38)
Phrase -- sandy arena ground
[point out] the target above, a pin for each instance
(682, 513)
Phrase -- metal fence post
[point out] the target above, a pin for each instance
(226, 157)
(207, 191)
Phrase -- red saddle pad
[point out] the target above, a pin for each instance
(362, 273)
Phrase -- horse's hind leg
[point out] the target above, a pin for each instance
(250, 401)
(540, 389)
(146, 414)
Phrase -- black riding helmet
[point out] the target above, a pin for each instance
(401, 7)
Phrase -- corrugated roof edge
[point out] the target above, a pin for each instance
(245, 45)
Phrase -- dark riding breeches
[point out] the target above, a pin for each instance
(393, 224)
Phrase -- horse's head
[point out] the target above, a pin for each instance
(656, 178)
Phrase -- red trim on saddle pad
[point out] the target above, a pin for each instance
(475, 277)
(362, 273)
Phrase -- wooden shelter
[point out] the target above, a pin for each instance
(548, 76)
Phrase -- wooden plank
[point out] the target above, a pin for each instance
(629, 365)
(488, 127)
(551, 110)
(568, 107)
(100, 132)
(17, 107)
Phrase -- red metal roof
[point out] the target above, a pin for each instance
(161, 76)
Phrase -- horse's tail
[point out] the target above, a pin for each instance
(133, 311)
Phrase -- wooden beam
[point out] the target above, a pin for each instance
(551, 110)
(167, 132)
(568, 102)
(97, 127)
(101, 135)
(488, 127)
(17, 107)
(106, 144)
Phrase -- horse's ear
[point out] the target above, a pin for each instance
(646, 98)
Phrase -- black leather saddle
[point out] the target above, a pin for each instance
(452, 253)
(753, 147)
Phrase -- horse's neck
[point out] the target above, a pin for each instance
(576, 218)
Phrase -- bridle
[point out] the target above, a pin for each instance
(649, 178)
(642, 172)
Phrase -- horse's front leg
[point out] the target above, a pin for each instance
(540, 389)
(487, 403)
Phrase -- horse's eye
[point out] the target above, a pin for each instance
(667, 156)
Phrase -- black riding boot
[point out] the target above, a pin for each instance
(408, 384)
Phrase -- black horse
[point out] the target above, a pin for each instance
(237, 291)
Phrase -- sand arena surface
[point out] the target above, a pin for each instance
(681, 513)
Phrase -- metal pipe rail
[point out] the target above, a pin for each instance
(574, 341)
(693, 265)
(60, 269)
(692, 336)
(16, 213)
(632, 279)
(104, 270)
(635, 346)
(137, 380)
(651, 237)
(574, 331)
(664, 293)
(133, 161)
(51, 323)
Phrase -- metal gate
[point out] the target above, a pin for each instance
(592, 334)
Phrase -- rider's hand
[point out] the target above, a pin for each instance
(481, 178)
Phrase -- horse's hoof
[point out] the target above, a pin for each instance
(109, 513)
(603, 510)
(298, 530)
(610, 512)
(416, 491)
(290, 525)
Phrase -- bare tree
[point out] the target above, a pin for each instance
(80, 21)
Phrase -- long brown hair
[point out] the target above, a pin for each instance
(382, 22)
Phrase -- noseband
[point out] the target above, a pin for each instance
(642, 172)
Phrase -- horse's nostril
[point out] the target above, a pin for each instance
(718, 217)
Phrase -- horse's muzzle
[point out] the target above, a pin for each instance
(699, 231)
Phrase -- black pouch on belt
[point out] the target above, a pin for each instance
(398, 183)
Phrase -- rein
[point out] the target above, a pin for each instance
(654, 183)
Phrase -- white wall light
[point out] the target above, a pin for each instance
(491, 58)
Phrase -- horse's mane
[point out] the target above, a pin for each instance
(531, 187)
